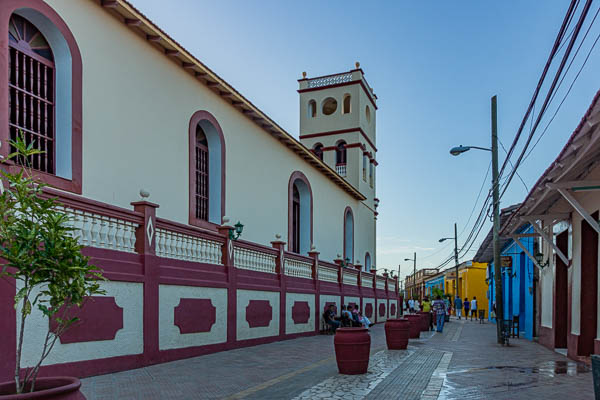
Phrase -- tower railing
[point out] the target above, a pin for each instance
(340, 169)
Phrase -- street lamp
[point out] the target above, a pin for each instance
(456, 292)
(455, 151)
(414, 280)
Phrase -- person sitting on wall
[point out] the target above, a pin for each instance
(364, 320)
(331, 319)
(354, 313)
(346, 317)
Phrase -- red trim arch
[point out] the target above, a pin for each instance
(198, 117)
(297, 175)
(7, 8)
(347, 211)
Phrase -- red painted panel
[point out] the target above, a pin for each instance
(300, 312)
(369, 310)
(382, 309)
(195, 315)
(99, 319)
(259, 313)
(393, 309)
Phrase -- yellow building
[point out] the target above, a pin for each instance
(471, 283)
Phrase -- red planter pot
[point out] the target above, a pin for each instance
(352, 350)
(424, 321)
(55, 388)
(397, 332)
(415, 325)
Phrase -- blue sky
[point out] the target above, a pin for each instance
(434, 66)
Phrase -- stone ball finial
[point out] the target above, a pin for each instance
(225, 219)
(313, 247)
(304, 74)
(144, 194)
(339, 256)
(357, 64)
(277, 236)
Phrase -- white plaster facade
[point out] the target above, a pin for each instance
(128, 340)
(243, 328)
(290, 326)
(137, 105)
(385, 303)
(169, 335)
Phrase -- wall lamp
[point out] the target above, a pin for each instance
(539, 257)
(236, 231)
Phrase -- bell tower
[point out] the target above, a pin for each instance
(337, 122)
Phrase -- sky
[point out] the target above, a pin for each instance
(434, 66)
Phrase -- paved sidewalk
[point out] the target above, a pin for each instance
(462, 363)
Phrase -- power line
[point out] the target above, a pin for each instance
(584, 12)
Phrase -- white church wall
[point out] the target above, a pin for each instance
(137, 105)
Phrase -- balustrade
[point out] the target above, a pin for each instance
(341, 169)
(366, 280)
(95, 230)
(328, 274)
(380, 283)
(350, 278)
(253, 260)
(180, 246)
(297, 268)
(330, 80)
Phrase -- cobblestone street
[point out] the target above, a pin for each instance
(462, 363)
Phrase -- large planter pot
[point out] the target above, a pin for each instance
(352, 350)
(424, 321)
(397, 332)
(415, 325)
(596, 374)
(55, 388)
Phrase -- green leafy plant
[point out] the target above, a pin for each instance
(39, 250)
(438, 292)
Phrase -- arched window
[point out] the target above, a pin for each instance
(31, 91)
(42, 90)
(318, 150)
(368, 114)
(202, 176)
(347, 100)
(299, 214)
(364, 169)
(312, 109)
(207, 171)
(340, 153)
(348, 234)
(371, 168)
(367, 262)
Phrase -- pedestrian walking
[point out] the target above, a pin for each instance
(417, 305)
(458, 305)
(439, 309)
(427, 308)
(474, 308)
(411, 305)
(466, 307)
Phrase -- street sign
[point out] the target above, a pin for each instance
(506, 262)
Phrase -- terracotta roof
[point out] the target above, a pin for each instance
(574, 162)
(143, 26)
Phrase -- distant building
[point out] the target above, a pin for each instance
(415, 284)
(471, 282)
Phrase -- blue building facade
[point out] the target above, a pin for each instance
(518, 284)
(437, 281)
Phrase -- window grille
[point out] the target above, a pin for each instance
(31, 92)
(201, 175)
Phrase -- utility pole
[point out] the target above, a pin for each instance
(496, 228)
(456, 259)
(414, 273)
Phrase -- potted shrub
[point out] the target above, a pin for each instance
(39, 251)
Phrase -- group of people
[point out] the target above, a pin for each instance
(350, 316)
(466, 305)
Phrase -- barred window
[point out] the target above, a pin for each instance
(201, 175)
(31, 91)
